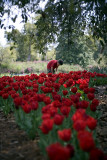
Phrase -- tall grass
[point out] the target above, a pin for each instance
(67, 68)
(36, 67)
(41, 66)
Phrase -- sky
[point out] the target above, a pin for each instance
(18, 25)
(8, 21)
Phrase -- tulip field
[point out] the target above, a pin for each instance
(60, 109)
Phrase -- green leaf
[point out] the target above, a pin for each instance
(101, 42)
(99, 60)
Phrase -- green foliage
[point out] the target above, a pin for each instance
(21, 67)
(24, 5)
(68, 18)
(98, 69)
(80, 51)
(97, 81)
(51, 54)
(22, 42)
(28, 122)
(35, 67)
(65, 68)
(6, 56)
(17, 44)
(100, 54)
(7, 105)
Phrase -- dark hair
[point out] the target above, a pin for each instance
(60, 61)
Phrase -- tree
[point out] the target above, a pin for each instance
(64, 18)
(25, 6)
(29, 32)
(100, 55)
(51, 54)
(17, 41)
(59, 11)
(81, 51)
(6, 56)
(22, 41)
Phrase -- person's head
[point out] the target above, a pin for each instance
(60, 62)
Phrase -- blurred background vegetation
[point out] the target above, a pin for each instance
(72, 30)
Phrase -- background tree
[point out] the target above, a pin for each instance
(79, 51)
(22, 41)
(29, 32)
(62, 21)
(86, 13)
(6, 56)
(16, 40)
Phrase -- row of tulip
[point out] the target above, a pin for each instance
(59, 108)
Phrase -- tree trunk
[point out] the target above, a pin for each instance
(29, 55)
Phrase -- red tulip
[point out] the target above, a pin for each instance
(46, 126)
(58, 119)
(65, 134)
(57, 152)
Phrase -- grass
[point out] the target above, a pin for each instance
(67, 68)
(36, 67)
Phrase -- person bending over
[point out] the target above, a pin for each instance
(53, 65)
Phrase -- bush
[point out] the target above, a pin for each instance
(98, 69)
(28, 70)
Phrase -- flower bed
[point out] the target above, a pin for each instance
(60, 108)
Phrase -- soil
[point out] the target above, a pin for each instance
(15, 145)
(101, 94)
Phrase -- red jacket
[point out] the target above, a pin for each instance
(52, 63)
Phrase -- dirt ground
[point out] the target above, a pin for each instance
(15, 145)
(101, 94)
